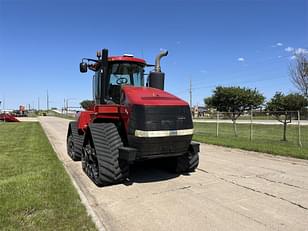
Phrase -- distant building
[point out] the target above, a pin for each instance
(198, 111)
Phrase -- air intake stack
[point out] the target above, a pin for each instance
(157, 77)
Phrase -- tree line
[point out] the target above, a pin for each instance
(237, 100)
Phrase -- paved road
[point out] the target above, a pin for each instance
(27, 119)
(231, 190)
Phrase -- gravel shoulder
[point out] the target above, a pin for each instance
(231, 190)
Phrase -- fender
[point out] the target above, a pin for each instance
(84, 118)
(101, 112)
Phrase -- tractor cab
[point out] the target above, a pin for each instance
(121, 74)
(112, 73)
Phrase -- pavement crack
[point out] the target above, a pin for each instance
(279, 182)
(202, 170)
(274, 170)
(172, 190)
(264, 193)
(255, 190)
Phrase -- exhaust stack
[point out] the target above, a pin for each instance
(157, 60)
(157, 77)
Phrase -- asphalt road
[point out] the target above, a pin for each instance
(231, 190)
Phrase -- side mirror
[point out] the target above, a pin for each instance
(83, 67)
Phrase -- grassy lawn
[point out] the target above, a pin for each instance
(35, 191)
(266, 138)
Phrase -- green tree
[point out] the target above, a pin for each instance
(280, 104)
(87, 104)
(235, 101)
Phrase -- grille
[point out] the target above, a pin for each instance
(156, 118)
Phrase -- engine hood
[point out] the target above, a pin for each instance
(150, 97)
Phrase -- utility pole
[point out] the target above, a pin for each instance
(47, 101)
(38, 103)
(67, 106)
(63, 111)
(190, 93)
(3, 105)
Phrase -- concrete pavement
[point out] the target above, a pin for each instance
(27, 119)
(231, 190)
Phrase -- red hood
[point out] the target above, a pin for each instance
(150, 96)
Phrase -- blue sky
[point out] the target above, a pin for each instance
(231, 42)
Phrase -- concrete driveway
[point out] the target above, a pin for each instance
(231, 190)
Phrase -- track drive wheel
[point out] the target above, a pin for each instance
(100, 158)
(74, 142)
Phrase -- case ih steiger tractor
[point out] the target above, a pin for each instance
(130, 121)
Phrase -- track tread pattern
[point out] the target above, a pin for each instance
(78, 141)
(107, 142)
(187, 163)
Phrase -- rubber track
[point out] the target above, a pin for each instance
(187, 163)
(78, 140)
(107, 141)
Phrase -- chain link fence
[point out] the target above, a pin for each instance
(290, 126)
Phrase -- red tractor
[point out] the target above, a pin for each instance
(130, 121)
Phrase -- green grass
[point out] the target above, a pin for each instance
(266, 138)
(35, 191)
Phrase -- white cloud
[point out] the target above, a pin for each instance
(279, 44)
(289, 49)
(279, 56)
(203, 71)
(241, 59)
(299, 51)
(293, 57)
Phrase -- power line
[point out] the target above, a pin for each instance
(213, 85)
(259, 68)
(225, 83)
(238, 83)
(280, 58)
(261, 80)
